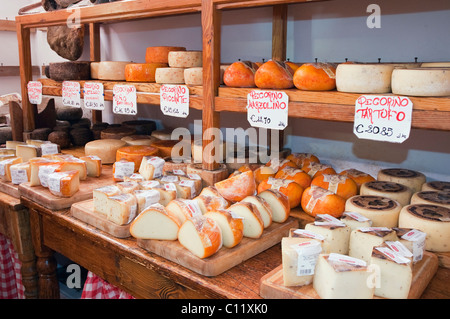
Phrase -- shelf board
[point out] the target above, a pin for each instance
(238, 4)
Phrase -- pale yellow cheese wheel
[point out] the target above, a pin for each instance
(193, 76)
(105, 149)
(382, 211)
(440, 198)
(364, 77)
(412, 179)
(109, 70)
(185, 59)
(421, 81)
(169, 75)
(395, 191)
(435, 186)
(435, 65)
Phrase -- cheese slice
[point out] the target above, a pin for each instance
(253, 222)
(440, 198)
(105, 149)
(20, 173)
(263, 207)
(93, 165)
(211, 203)
(169, 75)
(121, 209)
(35, 163)
(231, 226)
(185, 59)
(382, 211)
(421, 81)
(398, 192)
(8, 151)
(363, 240)
(13, 144)
(279, 204)
(146, 198)
(364, 77)
(155, 223)
(100, 196)
(64, 184)
(336, 235)
(151, 167)
(5, 168)
(26, 151)
(412, 179)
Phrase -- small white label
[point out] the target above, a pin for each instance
(94, 97)
(34, 89)
(169, 179)
(174, 100)
(124, 99)
(307, 254)
(394, 256)
(71, 95)
(123, 169)
(49, 148)
(327, 220)
(346, 259)
(19, 176)
(308, 234)
(44, 172)
(54, 182)
(357, 216)
(170, 187)
(267, 109)
(383, 118)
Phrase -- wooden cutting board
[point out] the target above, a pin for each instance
(225, 258)
(10, 189)
(272, 287)
(84, 211)
(42, 196)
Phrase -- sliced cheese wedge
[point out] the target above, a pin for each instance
(231, 225)
(155, 223)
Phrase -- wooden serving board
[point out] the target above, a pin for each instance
(84, 211)
(272, 287)
(42, 196)
(225, 258)
(10, 189)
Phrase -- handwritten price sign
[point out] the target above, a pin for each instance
(267, 109)
(124, 99)
(34, 89)
(71, 94)
(174, 100)
(383, 118)
(94, 98)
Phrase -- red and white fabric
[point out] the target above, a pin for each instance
(97, 288)
(11, 286)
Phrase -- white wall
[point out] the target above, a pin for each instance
(329, 31)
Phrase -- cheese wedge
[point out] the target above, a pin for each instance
(166, 194)
(121, 169)
(183, 209)
(93, 165)
(412, 239)
(151, 167)
(64, 184)
(279, 204)
(253, 222)
(122, 208)
(26, 151)
(211, 203)
(45, 170)
(146, 198)
(355, 220)
(336, 236)
(263, 207)
(363, 240)
(5, 168)
(231, 226)
(155, 223)
(74, 163)
(100, 197)
(128, 187)
(237, 187)
(20, 173)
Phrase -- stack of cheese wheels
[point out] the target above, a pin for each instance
(410, 178)
(317, 200)
(105, 149)
(440, 198)
(160, 54)
(172, 148)
(339, 184)
(178, 62)
(108, 70)
(421, 81)
(142, 72)
(433, 220)
(135, 153)
(240, 74)
(382, 211)
(358, 176)
(436, 186)
(395, 191)
(364, 77)
(274, 75)
(315, 77)
(117, 132)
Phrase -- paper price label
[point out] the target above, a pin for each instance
(124, 99)
(94, 98)
(383, 118)
(34, 89)
(71, 94)
(174, 100)
(267, 109)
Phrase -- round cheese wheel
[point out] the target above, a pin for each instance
(142, 72)
(395, 191)
(105, 149)
(295, 174)
(135, 153)
(274, 75)
(240, 74)
(165, 134)
(407, 177)
(358, 177)
(436, 186)
(315, 77)
(339, 184)
(117, 132)
(71, 70)
(166, 147)
(382, 211)
(142, 127)
(169, 75)
(364, 78)
(139, 139)
(317, 200)
(440, 198)
(237, 187)
(421, 81)
(160, 54)
(185, 59)
(109, 70)
(302, 159)
(288, 187)
(433, 220)
(435, 65)
(193, 76)
(314, 169)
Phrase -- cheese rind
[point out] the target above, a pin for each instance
(93, 165)
(100, 196)
(105, 149)
(170, 75)
(155, 223)
(364, 78)
(5, 168)
(121, 209)
(412, 179)
(151, 167)
(109, 70)
(135, 153)
(160, 54)
(231, 226)
(253, 222)
(193, 76)
(185, 59)
(398, 192)
(382, 211)
(421, 81)
(142, 72)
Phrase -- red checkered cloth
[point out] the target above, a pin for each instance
(96, 288)
(11, 286)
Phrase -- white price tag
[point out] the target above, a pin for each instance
(267, 109)
(71, 94)
(174, 100)
(34, 89)
(124, 99)
(383, 118)
(94, 98)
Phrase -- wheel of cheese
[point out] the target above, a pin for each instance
(169, 75)
(436, 186)
(364, 78)
(166, 147)
(395, 191)
(433, 220)
(435, 65)
(296, 175)
(262, 173)
(421, 81)
(288, 187)
(240, 74)
(160, 54)
(71, 70)
(185, 59)
(138, 139)
(382, 211)
(302, 159)
(314, 169)
(315, 77)
(80, 136)
(105, 149)
(165, 134)
(232, 226)
(358, 176)
(142, 127)
(237, 187)
(142, 72)
(274, 75)
(339, 184)
(109, 70)
(317, 200)
(440, 198)
(117, 132)
(135, 153)
(407, 177)
(193, 76)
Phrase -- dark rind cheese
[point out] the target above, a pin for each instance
(70, 71)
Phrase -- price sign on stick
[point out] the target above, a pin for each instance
(267, 109)
(34, 89)
(124, 99)
(383, 118)
(71, 94)
(174, 100)
(94, 98)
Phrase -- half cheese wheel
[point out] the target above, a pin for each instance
(169, 75)
(105, 149)
(135, 153)
(279, 204)
(364, 78)
(440, 198)
(237, 187)
(395, 191)
(142, 72)
(382, 211)
(421, 81)
(155, 222)
(160, 54)
(108, 70)
(185, 59)
(252, 220)
(407, 177)
(433, 220)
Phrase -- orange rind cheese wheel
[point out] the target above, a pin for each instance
(317, 200)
